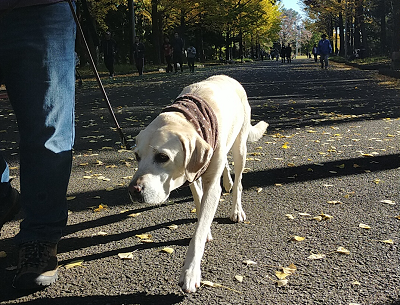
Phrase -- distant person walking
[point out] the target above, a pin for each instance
(324, 49)
(177, 46)
(168, 54)
(288, 51)
(109, 49)
(191, 57)
(315, 52)
(283, 53)
(138, 54)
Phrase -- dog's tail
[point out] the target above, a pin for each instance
(257, 131)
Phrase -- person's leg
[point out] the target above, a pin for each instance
(9, 197)
(37, 54)
(326, 59)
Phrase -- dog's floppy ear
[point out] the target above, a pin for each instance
(197, 155)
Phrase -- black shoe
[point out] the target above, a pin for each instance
(9, 207)
(37, 266)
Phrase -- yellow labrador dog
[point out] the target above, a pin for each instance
(188, 143)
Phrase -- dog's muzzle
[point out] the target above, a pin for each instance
(136, 192)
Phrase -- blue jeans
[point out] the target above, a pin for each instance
(37, 60)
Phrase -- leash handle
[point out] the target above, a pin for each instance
(96, 74)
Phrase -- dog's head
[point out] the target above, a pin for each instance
(169, 153)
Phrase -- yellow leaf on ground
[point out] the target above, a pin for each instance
(100, 208)
(281, 283)
(290, 216)
(249, 262)
(71, 198)
(317, 218)
(335, 202)
(391, 202)
(167, 250)
(74, 264)
(193, 210)
(173, 227)
(239, 278)
(387, 241)
(326, 216)
(304, 214)
(316, 256)
(364, 226)
(259, 189)
(281, 275)
(109, 189)
(342, 250)
(127, 255)
(143, 236)
(134, 214)
(297, 238)
(285, 145)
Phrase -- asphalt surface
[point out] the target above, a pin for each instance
(332, 150)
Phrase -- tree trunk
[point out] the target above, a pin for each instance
(396, 25)
(155, 32)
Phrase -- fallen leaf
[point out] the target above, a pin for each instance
(249, 262)
(100, 208)
(357, 283)
(304, 214)
(167, 250)
(126, 255)
(281, 275)
(3, 254)
(388, 241)
(71, 198)
(285, 145)
(290, 216)
(364, 226)
(74, 264)
(143, 236)
(259, 189)
(134, 214)
(109, 189)
(101, 233)
(193, 210)
(342, 250)
(239, 278)
(316, 256)
(318, 218)
(326, 216)
(391, 202)
(297, 238)
(281, 283)
(173, 227)
(335, 202)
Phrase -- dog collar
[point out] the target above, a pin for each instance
(202, 117)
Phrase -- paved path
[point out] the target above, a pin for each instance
(332, 150)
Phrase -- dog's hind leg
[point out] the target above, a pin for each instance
(226, 178)
(197, 191)
(239, 150)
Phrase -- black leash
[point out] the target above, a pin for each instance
(96, 73)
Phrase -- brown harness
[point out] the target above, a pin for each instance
(201, 115)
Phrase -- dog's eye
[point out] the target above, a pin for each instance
(161, 158)
(137, 157)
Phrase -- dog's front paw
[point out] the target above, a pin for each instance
(238, 216)
(190, 279)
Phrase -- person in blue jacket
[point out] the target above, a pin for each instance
(324, 49)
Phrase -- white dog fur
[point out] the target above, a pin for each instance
(170, 152)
